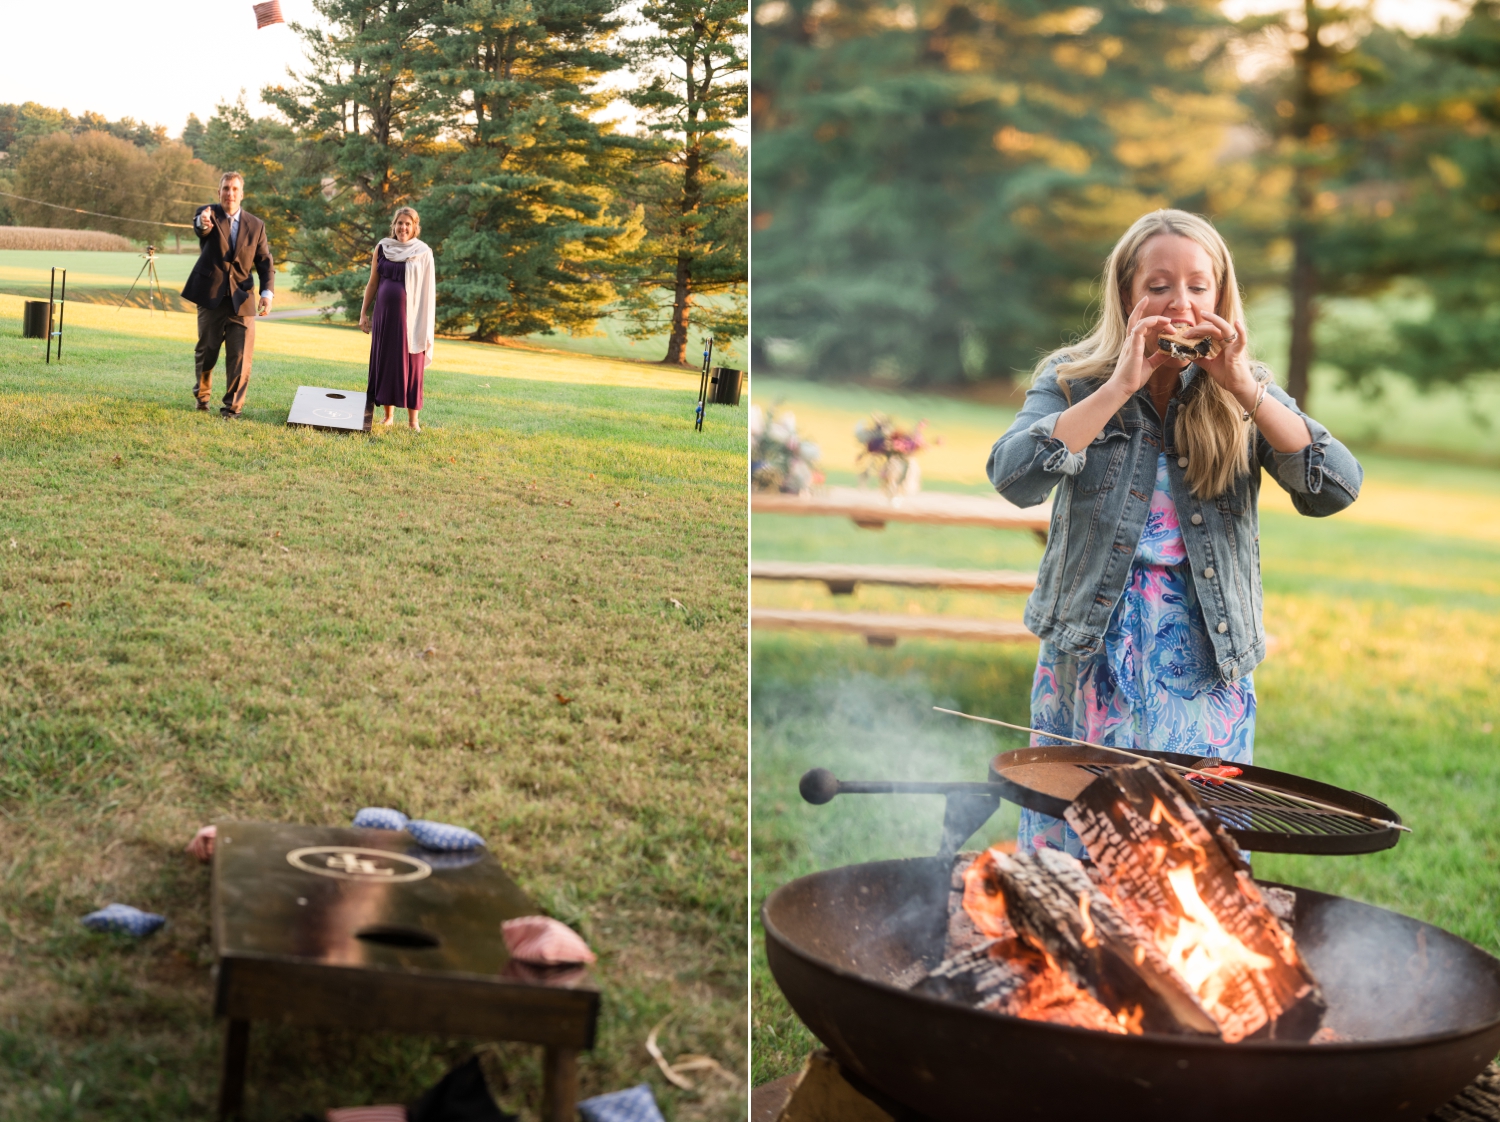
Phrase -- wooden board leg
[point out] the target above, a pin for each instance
(559, 1084)
(232, 1079)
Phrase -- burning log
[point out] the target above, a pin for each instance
(1055, 907)
(987, 966)
(1164, 932)
(1180, 881)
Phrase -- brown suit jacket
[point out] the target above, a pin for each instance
(219, 274)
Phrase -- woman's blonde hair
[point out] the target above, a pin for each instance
(416, 219)
(1211, 429)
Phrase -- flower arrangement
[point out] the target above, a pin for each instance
(780, 460)
(887, 453)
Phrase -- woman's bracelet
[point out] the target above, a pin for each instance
(1260, 397)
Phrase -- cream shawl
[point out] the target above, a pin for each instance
(421, 291)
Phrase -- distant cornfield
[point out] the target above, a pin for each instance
(40, 237)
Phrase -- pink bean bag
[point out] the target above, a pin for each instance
(545, 942)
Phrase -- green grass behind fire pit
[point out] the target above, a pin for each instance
(1385, 681)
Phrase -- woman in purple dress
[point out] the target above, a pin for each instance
(403, 290)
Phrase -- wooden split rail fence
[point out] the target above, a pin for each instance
(872, 510)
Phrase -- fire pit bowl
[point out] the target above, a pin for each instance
(1420, 1009)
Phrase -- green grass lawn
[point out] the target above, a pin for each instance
(207, 621)
(1385, 680)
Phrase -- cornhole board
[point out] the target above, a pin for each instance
(340, 927)
(318, 407)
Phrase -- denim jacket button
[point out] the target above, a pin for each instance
(1209, 572)
(1223, 627)
(1197, 520)
(1182, 461)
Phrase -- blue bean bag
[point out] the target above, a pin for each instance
(440, 835)
(122, 917)
(636, 1104)
(381, 818)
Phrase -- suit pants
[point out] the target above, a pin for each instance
(220, 327)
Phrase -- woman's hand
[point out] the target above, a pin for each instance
(364, 323)
(1231, 369)
(1140, 357)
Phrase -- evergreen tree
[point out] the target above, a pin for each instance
(361, 152)
(1384, 156)
(1317, 109)
(520, 203)
(1441, 231)
(937, 183)
(194, 134)
(265, 151)
(695, 207)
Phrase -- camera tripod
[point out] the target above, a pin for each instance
(153, 282)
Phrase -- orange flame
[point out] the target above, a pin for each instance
(1088, 936)
(1200, 949)
(984, 901)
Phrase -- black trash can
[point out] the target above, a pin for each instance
(726, 385)
(36, 321)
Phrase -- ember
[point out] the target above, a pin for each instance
(1165, 932)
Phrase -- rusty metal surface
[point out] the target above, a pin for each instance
(1046, 778)
(1421, 1008)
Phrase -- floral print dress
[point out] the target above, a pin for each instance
(1154, 685)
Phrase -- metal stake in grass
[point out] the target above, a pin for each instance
(1143, 758)
(61, 305)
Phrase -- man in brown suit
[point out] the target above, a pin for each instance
(231, 244)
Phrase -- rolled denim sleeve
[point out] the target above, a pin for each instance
(1323, 478)
(1028, 461)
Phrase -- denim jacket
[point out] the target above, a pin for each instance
(1104, 493)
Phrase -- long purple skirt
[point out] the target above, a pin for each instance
(395, 373)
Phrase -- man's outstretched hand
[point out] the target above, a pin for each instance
(265, 306)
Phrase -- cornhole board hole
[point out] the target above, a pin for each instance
(317, 407)
(341, 927)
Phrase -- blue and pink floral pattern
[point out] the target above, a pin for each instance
(1154, 685)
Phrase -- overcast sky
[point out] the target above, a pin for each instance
(184, 57)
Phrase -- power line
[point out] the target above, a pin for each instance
(96, 214)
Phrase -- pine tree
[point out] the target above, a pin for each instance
(194, 134)
(1385, 156)
(696, 207)
(520, 201)
(1316, 110)
(936, 184)
(1440, 236)
(266, 152)
(361, 147)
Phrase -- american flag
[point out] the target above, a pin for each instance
(385, 1113)
(268, 13)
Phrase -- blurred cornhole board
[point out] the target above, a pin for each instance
(317, 407)
(356, 928)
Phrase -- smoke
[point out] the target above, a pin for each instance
(860, 727)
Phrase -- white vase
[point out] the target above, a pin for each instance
(912, 484)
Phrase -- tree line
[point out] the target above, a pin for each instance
(486, 117)
(937, 182)
(90, 163)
